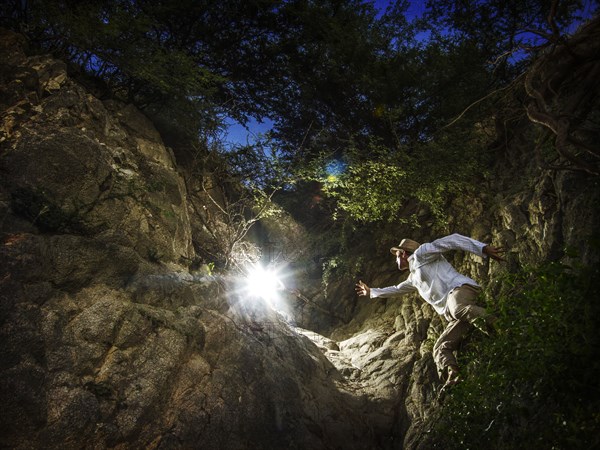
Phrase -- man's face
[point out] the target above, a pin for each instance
(402, 259)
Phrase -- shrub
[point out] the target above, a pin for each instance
(535, 383)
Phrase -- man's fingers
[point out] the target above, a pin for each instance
(498, 257)
(361, 288)
(494, 252)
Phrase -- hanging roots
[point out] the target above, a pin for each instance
(564, 86)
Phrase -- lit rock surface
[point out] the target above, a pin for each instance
(107, 340)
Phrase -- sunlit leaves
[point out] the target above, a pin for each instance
(370, 191)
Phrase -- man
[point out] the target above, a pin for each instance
(451, 294)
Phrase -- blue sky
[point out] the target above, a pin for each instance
(235, 133)
(415, 9)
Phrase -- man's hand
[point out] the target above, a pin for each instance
(494, 252)
(362, 289)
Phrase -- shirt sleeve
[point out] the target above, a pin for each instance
(403, 288)
(453, 242)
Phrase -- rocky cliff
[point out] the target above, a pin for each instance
(109, 340)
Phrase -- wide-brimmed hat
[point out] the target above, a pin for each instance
(406, 244)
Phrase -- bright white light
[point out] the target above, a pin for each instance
(264, 283)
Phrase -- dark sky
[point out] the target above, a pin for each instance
(237, 134)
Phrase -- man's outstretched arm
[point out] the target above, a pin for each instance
(459, 242)
(403, 288)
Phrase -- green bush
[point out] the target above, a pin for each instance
(535, 383)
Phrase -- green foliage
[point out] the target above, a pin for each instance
(534, 384)
(329, 269)
(341, 268)
(209, 268)
(379, 187)
(370, 191)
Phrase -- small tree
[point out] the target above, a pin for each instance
(231, 191)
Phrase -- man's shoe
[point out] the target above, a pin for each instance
(453, 378)
(485, 325)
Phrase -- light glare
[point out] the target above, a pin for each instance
(264, 283)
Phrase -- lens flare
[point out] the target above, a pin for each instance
(263, 283)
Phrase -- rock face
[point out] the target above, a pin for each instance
(109, 341)
(84, 167)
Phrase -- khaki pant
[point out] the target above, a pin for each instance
(461, 310)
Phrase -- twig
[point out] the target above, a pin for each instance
(480, 100)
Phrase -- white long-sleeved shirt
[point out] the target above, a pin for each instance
(431, 274)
